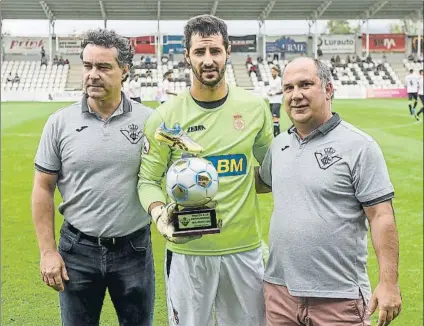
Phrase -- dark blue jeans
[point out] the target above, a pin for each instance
(124, 268)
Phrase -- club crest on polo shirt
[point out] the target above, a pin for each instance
(133, 133)
(327, 157)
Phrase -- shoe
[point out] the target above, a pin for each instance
(176, 137)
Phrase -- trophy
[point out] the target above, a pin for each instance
(191, 182)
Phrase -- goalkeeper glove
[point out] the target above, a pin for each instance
(163, 216)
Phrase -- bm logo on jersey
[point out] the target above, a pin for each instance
(229, 165)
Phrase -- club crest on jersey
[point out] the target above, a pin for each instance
(327, 157)
(132, 133)
(238, 121)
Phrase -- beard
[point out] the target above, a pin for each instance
(220, 74)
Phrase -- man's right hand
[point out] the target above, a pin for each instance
(162, 216)
(53, 270)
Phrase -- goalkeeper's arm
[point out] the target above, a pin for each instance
(261, 187)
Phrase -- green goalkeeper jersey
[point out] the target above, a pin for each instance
(232, 135)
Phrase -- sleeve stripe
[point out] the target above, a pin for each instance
(379, 200)
(44, 170)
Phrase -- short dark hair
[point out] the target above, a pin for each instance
(421, 71)
(205, 25)
(110, 39)
(411, 70)
(167, 73)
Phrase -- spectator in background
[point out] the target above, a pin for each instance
(134, 89)
(338, 59)
(147, 60)
(10, 78)
(16, 79)
(43, 52)
(268, 58)
(248, 60)
(66, 62)
(276, 57)
(55, 60)
(61, 61)
(333, 60)
(384, 58)
(171, 55)
(44, 61)
(164, 59)
(319, 52)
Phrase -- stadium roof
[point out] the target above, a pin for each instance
(225, 9)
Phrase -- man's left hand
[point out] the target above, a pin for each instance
(388, 299)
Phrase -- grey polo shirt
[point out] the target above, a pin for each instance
(318, 230)
(97, 162)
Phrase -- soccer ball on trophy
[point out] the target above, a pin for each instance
(192, 183)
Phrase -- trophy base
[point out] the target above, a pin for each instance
(195, 221)
(196, 232)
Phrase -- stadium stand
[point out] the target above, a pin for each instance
(33, 76)
(412, 64)
(151, 75)
(376, 74)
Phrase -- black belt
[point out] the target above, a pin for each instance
(98, 240)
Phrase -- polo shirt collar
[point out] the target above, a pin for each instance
(324, 129)
(124, 107)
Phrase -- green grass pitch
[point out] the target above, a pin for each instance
(27, 301)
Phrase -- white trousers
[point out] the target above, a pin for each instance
(215, 290)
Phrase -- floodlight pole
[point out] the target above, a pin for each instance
(159, 37)
(316, 40)
(314, 19)
(261, 20)
(51, 17)
(1, 40)
(368, 39)
(103, 11)
(368, 14)
(262, 35)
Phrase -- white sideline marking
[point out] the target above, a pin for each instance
(393, 127)
(20, 135)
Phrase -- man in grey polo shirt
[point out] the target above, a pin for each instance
(327, 178)
(91, 150)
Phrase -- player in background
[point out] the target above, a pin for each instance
(166, 87)
(275, 98)
(411, 81)
(134, 89)
(222, 271)
(421, 92)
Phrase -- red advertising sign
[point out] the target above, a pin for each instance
(384, 42)
(143, 44)
(24, 45)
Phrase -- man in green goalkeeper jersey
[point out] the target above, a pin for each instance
(220, 272)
